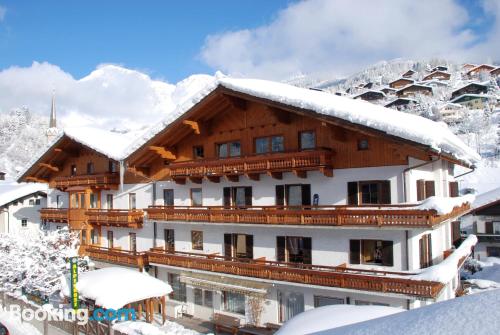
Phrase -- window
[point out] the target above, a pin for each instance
(93, 200)
(320, 301)
(198, 152)
(369, 303)
(371, 252)
(110, 239)
(93, 236)
(293, 195)
(196, 240)
(290, 304)
(37, 202)
(229, 149)
(237, 196)
(307, 140)
(203, 297)
(363, 144)
(198, 296)
(178, 288)
(73, 170)
(208, 298)
(369, 192)
(169, 238)
(294, 249)
(425, 247)
(32, 202)
(233, 302)
(90, 168)
(453, 189)
(269, 144)
(112, 167)
(493, 251)
(425, 189)
(132, 201)
(492, 227)
(109, 201)
(132, 237)
(24, 223)
(168, 197)
(58, 201)
(196, 197)
(75, 200)
(238, 246)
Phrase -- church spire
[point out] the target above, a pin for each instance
(53, 121)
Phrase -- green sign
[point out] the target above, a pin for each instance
(75, 302)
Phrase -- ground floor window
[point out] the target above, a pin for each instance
(24, 223)
(233, 302)
(326, 301)
(369, 303)
(290, 304)
(178, 287)
(203, 297)
(371, 252)
(493, 251)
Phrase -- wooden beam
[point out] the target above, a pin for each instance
(236, 102)
(300, 173)
(253, 176)
(233, 177)
(276, 175)
(213, 179)
(327, 172)
(196, 180)
(49, 166)
(163, 152)
(281, 115)
(36, 180)
(180, 180)
(195, 125)
(140, 171)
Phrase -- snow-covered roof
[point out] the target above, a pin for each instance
(116, 287)
(414, 85)
(471, 95)
(486, 198)
(11, 191)
(403, 125)
(472, 314)
(333, 316)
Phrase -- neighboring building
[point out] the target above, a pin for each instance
(52, 132)
(2, 175)
(401, 103)
(368, 85)
(440, 68)
(439, 75)
(264, 196)
(370, 96)
(467, 67)
(451, 113)
(495, 72)
(483, 220)
(474, 101)
(414, 89)
(388, 91)
(472, 88)
(20, 205)
(408, 74)
(401, 82)
(483, 68)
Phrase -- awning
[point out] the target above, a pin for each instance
(218, 283)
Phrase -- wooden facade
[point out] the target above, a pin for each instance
(440, 75)
(401, 82)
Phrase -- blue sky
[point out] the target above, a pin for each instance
(162, 38)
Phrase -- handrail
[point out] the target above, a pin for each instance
(84, 180)
(116, 217)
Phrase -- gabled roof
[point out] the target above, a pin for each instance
(391, 123)
(12, 191)
(425, 87)
(430, 75)
(382, 94)
(402, 79)
(482, 66)
(472, 96)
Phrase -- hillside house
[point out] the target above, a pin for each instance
(370, 96)
(471, 88)
(437, 75)
(401, 82)
(413, 90)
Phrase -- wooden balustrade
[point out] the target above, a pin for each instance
(54, 215)
(130, 218)
(342, 277)
(115, 256)
(382, 216)
(105, 180)
(275, 162)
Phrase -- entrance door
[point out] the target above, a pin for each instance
(79, 202)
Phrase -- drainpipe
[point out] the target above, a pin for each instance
(407, 253)
(404, 176)
(466, 173)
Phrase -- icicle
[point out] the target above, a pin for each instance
(122, 174)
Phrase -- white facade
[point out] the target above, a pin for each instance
(22, 215)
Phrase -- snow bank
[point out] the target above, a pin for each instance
(116, 287)
(11, 191)
(143, 328)
(445, 271)
(444, 205)
(476, 314)
(15, 326)
(328, 317)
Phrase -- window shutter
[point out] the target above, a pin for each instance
(387, 257)
(420, 189)
(474, 227)
(455, 232)
(430, 189)
(352, 194)
(386, 192)
(453, 189)
(227, 196)
(429, 250)
(489, 227)
(227, 246)
(354, 251)
(306, 195)
(421, 247)
(280, 248)
(248, 196)
(280, 195)
(249, 242)
(307, 250)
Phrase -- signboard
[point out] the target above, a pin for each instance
(75, 301)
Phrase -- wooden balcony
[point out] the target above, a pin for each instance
(342, 277)
(129, 218)
(106, 180)
(252, 166)
(359, 216)
(115, 256)
(59, 215)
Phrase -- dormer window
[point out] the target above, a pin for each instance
(90, 168)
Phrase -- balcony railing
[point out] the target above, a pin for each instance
(100, 180)
(342, 277)
(115, 256)
(54, 215)
(381, 216)
(276, 162)
(130, 218)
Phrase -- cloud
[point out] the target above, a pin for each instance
(111, 96)
(337, 36)
(3, 11)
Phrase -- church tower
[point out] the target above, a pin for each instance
(52, 131)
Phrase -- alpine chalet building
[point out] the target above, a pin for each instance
(258, 200)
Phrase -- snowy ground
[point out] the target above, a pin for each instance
(486, 279)
(143, 328)
(15, 327)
